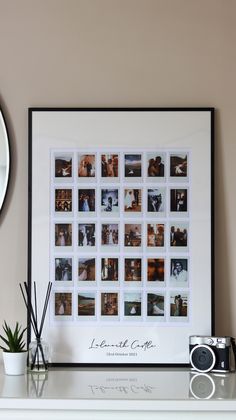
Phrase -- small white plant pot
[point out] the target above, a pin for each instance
(15, 363)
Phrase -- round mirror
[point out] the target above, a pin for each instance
(4, 160)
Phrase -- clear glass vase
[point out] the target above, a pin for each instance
(38, 356)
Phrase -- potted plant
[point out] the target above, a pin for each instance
(14, 352)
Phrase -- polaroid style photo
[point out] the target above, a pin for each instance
(156, 201)
(109, 167)
(179, 236)
(156, 272)
(110, 202)
(179, 272)
(63, 201)
(132, 201)
(63, 270)
(110, 270)
(87, 270)
(63, 167)
(109, 236)
(86, 202)
(179, 166)
(133, 166)
(133, 236)
(156, 162)
(86, 167)
(110, 305)
(155, 236)
(133, 271)
(63, 235)
(155, 306)
(132, 305)
(179, 303)
(63, 304)
(86, 236)
(86, 305)
(179, 202)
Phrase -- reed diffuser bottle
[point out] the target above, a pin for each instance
(38, 355)
(38, 349)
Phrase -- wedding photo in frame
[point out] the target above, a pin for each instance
(121, 222)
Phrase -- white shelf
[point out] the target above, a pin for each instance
(107, 392)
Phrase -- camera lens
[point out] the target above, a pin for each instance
(202, 358)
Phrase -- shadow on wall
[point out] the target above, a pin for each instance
(223, 313)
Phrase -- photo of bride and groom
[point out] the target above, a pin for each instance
(86, 165)
(86, 200)
(133, 200)
(109, 166)
(63, 166)
(86, 234)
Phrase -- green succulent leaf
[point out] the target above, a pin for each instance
(13, 338)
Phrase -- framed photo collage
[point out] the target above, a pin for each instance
(120, 233)
(120, 222)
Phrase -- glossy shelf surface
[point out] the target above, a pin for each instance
(166, 389)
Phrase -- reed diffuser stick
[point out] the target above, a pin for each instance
(34, 319)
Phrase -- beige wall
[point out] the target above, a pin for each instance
(118, 53)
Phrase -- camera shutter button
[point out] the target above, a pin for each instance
(210, 341)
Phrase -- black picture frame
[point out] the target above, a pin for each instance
(43, 139)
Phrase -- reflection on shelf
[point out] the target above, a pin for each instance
(156, 384)
(203, 386)
(37, 383)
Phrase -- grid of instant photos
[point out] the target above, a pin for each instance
(120, 236)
